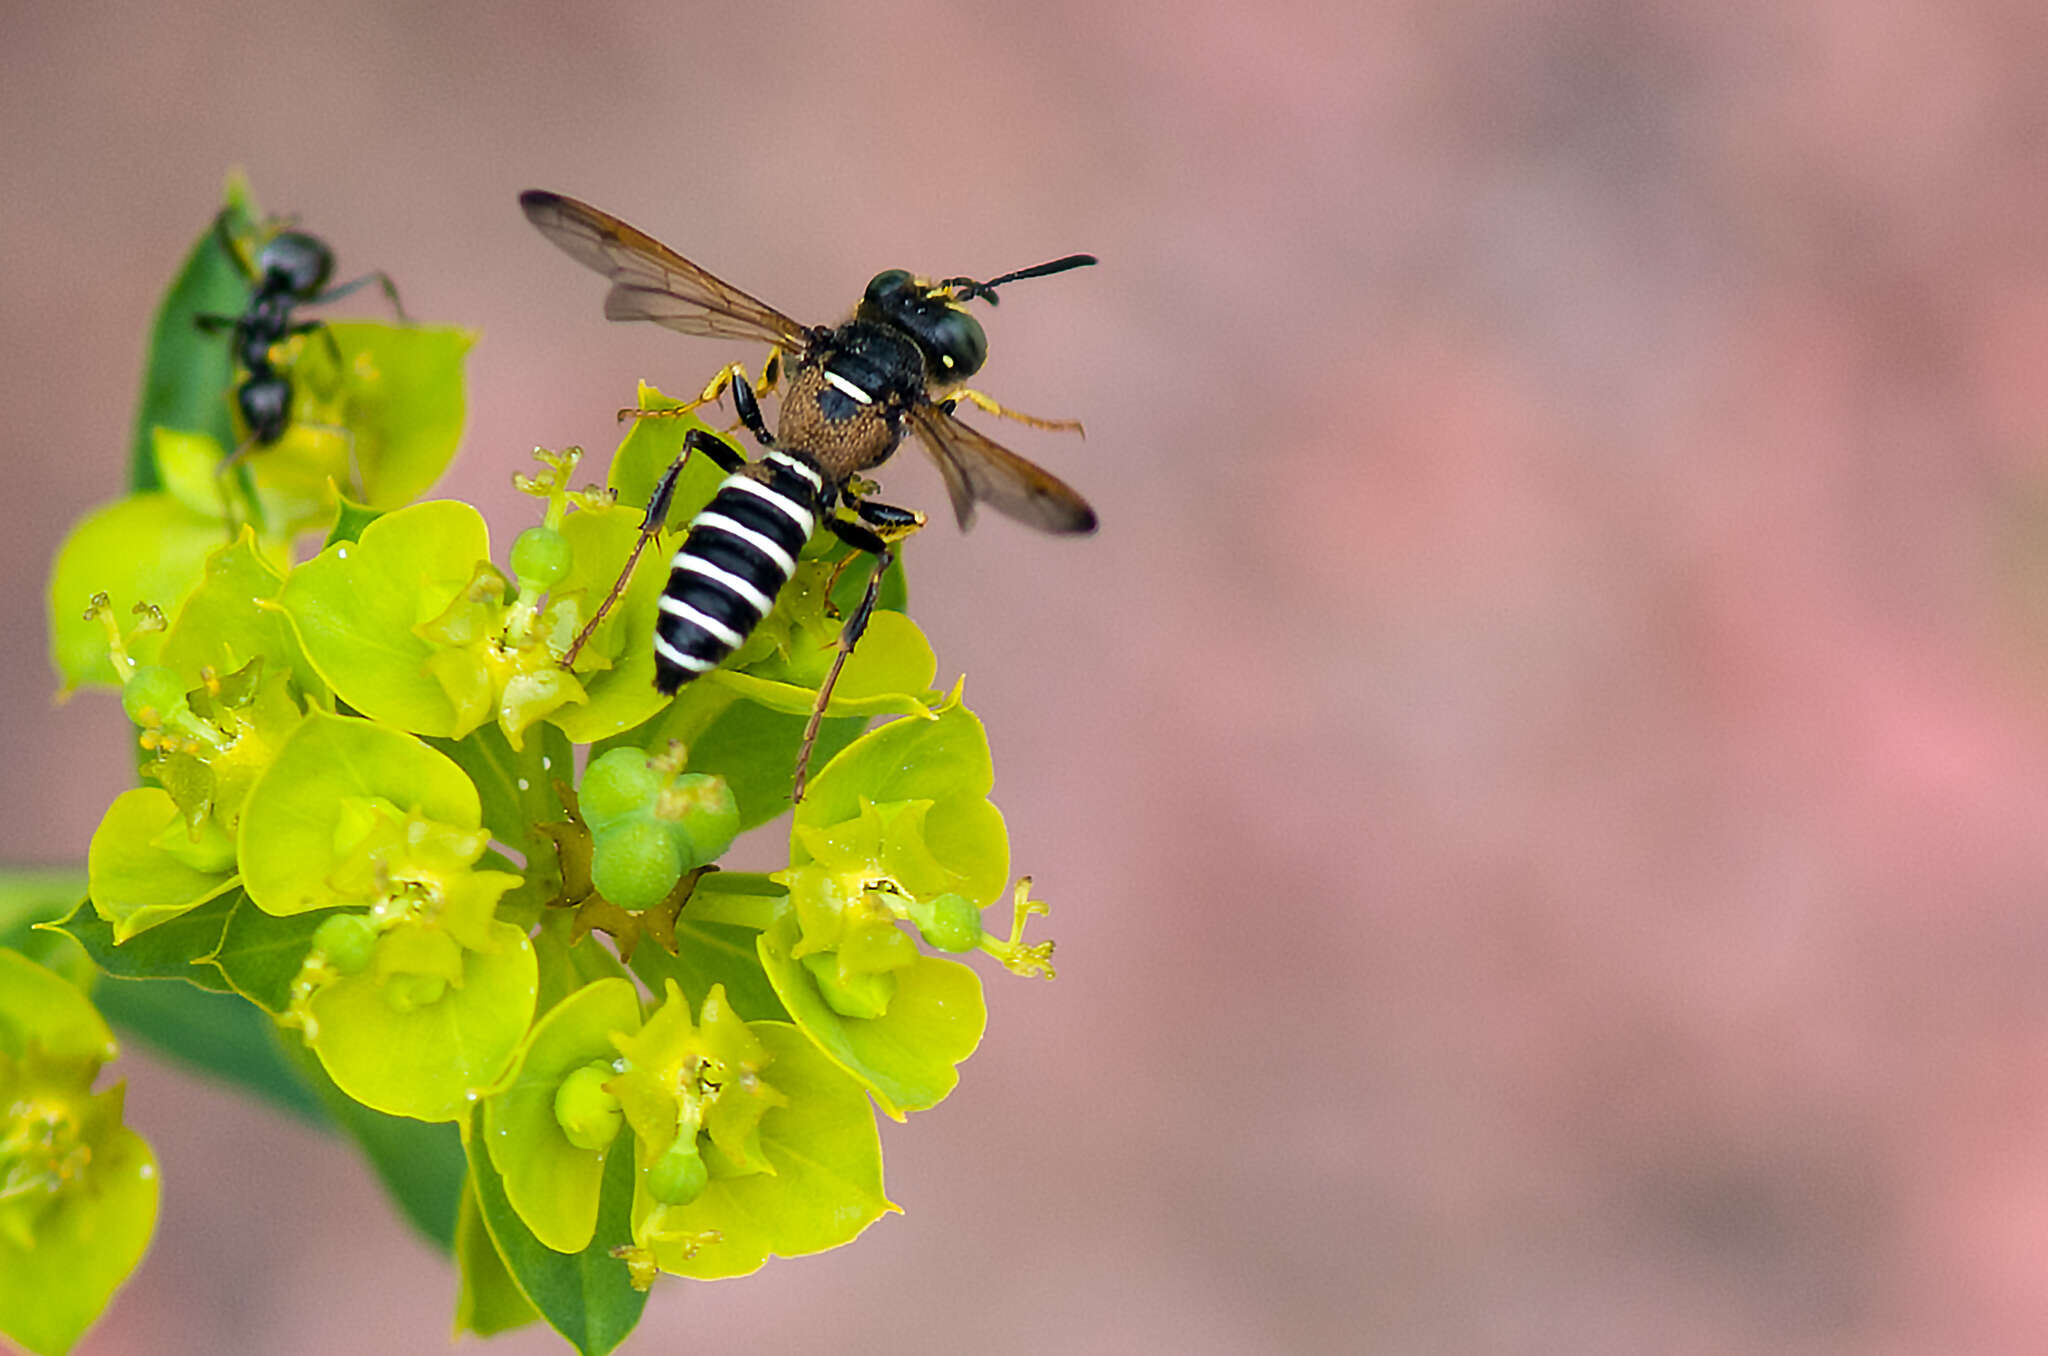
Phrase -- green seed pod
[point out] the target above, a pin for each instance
(635, 863)
(949, 921)
(679, 1175)
(703, 814)
(618, 786)
(588, 1114)
(347, 940)
(541, 556)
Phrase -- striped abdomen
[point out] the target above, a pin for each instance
(741, 550)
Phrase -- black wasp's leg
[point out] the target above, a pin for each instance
(727, 377)
(749, 409)
(333, 349)
(380, 277)
(982, 402)
(225, 470)
(891, 525)
(711, 445)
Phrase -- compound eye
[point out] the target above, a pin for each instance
(888, 285)
(303, 261)
(959, 344)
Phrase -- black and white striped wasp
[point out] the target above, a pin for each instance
(849, 393)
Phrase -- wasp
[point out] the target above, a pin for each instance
(849, 392)
(290, 271)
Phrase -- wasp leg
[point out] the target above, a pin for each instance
(711, 445)
(333, 348)
(228, 466)
(771, 374)
(980, 401)
(380, 277)
(749, 411)
(892, 525)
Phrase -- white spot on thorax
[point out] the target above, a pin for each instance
(852, 392)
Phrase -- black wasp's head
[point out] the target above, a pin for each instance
(952, 340)
(295, 263)
(935, 316)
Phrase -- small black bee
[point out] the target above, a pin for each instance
(899, 362)
(290, 271)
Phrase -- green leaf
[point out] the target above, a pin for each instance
(31, 895)
(426, 1061)
(585, 1296)
(616, 665)
(908, 1056)
(566, 968)
(420, 1164)
(825, 1186)
(904, 760)
(36, 894)
(889, 673)
(86, 1242)
(356, 605)
(649, 448)
(552, 1184)
(289, 840)
(380, 426)
(715, 945)
(262, 955)
(404, 401)
(516, 787)
(708, 954)
(944, 760)
(965, 835)
(487, 1299)
(41, 1007)
(176, 949)
(223, 625)
(188, 468)
(217, 1035)
(189, 376)
(751, 746)
(147, 548)
(136, 883)
(350, 518)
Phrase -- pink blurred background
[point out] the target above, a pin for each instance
(1542, 775)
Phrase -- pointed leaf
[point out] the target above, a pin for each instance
(585, 1296)
(188, 377)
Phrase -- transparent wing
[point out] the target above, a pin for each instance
(650, 281)
(979, 470)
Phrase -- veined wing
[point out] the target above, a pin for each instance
(650, 281)
(979, 470)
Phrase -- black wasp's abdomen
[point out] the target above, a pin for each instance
(741, 550)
